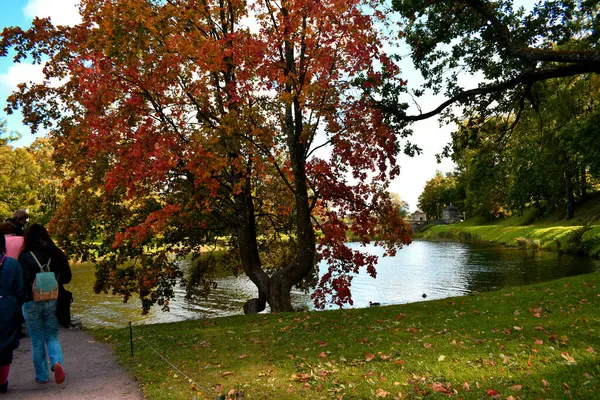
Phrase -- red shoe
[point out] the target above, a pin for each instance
(59, 373)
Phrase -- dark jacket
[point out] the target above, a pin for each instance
(11, 299)
(59, 265)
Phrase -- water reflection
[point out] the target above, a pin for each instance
(437, 269)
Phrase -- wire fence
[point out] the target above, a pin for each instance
(163, 358)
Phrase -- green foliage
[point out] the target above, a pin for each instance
(28, 179)
(509, 48)
(541, 159)
(438, 193)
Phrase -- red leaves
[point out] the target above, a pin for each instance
(442, 388)
(192, 122)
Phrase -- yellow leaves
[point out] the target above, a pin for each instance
(441, 358)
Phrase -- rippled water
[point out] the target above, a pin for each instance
(436, 269)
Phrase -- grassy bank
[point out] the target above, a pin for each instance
(540, 341)
(580, 235)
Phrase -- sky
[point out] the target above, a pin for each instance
(414, 171)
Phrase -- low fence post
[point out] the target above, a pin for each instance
(131, 338)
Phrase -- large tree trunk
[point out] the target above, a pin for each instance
(570, 196)
(276, 288)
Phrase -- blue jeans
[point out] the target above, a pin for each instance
(42, 325)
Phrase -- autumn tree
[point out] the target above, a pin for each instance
(194, 125)
(402, 205)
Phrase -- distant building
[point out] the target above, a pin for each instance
(451, 214)
(418, 216)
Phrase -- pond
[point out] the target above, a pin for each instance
(436, 269)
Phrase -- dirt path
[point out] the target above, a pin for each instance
(91, 369)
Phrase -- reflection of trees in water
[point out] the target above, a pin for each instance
(493, 268)
(438, 269)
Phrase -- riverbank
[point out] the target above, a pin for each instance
(537, 341)
(580, 235)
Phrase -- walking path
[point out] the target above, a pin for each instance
(91, 369)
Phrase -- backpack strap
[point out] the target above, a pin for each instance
(38, 262)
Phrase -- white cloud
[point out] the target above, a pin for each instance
(18, 73)
(61, 12)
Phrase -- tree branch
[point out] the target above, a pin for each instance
(527, 77)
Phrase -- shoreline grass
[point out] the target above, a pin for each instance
(580, 235)
(539, 341)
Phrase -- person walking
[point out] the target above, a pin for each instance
(38, 255)
(11, 297)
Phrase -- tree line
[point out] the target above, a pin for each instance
(28, 178)
(549, 158)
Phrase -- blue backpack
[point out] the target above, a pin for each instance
(45, 285)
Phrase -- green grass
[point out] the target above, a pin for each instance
(530, 342)
(551, 232)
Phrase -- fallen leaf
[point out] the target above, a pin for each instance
(369, 357)
(492, 392)
(539, 341)
(427, 345)
(381, 393)
(545, 383)
(563, 340)
(567, 357)
(466, 386)
(441, 358)
(518, 328)
(322, 354)
(243, 356)
(227, 373)
(516, 388)
(439, 387)
(590, 350)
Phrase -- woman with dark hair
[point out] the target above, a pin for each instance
(11, 298)
(40, 254)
